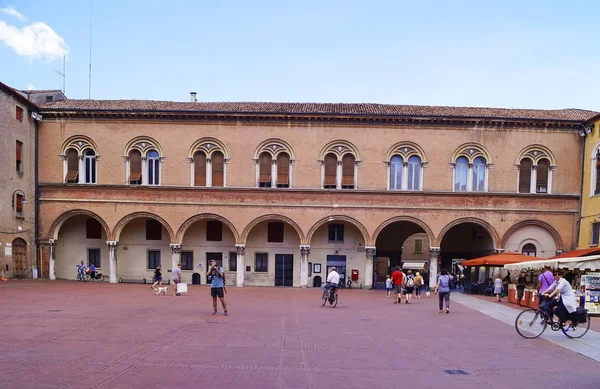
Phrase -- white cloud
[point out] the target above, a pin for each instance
(13, 12)
(30, 86)
(36, 40)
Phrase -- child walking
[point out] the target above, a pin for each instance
(388, 286)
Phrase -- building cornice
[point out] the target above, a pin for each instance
(319, 119)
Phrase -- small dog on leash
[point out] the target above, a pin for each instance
(428, 294)
(162, 289)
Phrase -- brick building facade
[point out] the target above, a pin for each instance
(278, 192)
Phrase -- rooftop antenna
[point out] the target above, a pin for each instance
(90, 78)
(63, 75)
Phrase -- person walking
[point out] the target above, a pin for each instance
(498, 287)
(157, 277)
(217, 285)
(177, 277)
(398, 280)
(443, 287)
(81, 272)
(418, 285)
(410, 286)
(388, 287)
(521, 281)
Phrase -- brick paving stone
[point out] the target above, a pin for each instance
(91, 335)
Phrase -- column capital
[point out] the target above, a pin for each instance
(305, 249)
(112, 243)
(434, 250)
(498, 250)
(558, 252)
(240, 248)
(189, 159)
(339, 163)
(52, 242)
(370, 250)
(175, 247)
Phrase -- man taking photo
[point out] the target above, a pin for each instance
(217, 285)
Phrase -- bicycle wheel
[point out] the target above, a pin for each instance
(334, 303)
(577, 330)
(530, 324)
(324, 298)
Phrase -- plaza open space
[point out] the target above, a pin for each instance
(65, 334)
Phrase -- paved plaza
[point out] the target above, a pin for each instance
(92, 335)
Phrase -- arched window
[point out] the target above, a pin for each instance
(543, 168)
(535, 164)
(396, 166)
(153, 167)
(348, 171)
(89, 162)
(218, 169)
(525, 168)
(597, 175)
(529, 249)
(135, 167)
(479, 175)
(72, 175)
(199, 168)
(283, 170)
(330, 163)
(414, 173)
(80, 156)
(274, 164)
(264, 178)
(460, 174)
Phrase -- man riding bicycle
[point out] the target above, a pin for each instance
(333, 279)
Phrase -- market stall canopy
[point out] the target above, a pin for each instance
(578, 253)
(499, 259)
(591, 262)
(413, 265)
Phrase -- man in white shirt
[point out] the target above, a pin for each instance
(333, 279)
(568, 302)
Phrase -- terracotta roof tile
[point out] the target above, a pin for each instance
(318, 108)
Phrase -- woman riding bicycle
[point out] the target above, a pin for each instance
(567, 303)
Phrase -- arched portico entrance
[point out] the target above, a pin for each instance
(205, 237)
(403, 242)
(145, 242)
(78, 237)
(272, 252)
(466, 239)
(340, 241)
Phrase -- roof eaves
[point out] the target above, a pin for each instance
(18, 96)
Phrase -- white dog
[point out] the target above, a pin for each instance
(162, 289)
(428, 294)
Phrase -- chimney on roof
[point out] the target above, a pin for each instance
(193, 97)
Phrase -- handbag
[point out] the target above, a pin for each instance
(181, 287)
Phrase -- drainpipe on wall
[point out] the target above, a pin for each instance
(37, 203)
(578, 224)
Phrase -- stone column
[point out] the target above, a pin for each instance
(434, 253)
(144, 170)
(304, 251)
(338, 175)
(370, 251)
(112, 247)
(81, 178)
(52, 243)
(208, 172)
(274, 173)
(533, 183)
(241, 265)
(175, 256)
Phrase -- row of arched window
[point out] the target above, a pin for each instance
(274, 162)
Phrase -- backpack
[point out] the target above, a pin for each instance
(410, 282)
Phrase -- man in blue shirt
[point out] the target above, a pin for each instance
(217, 284)
(92, 271)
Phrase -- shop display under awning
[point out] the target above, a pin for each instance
(413, 265)
(591, 262)
(499, 259)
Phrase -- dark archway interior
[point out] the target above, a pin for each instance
(465, 241)
(389, 246)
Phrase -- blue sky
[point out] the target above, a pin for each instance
(525, 54)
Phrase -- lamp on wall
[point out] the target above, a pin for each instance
(581, 133)
(588, 129)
